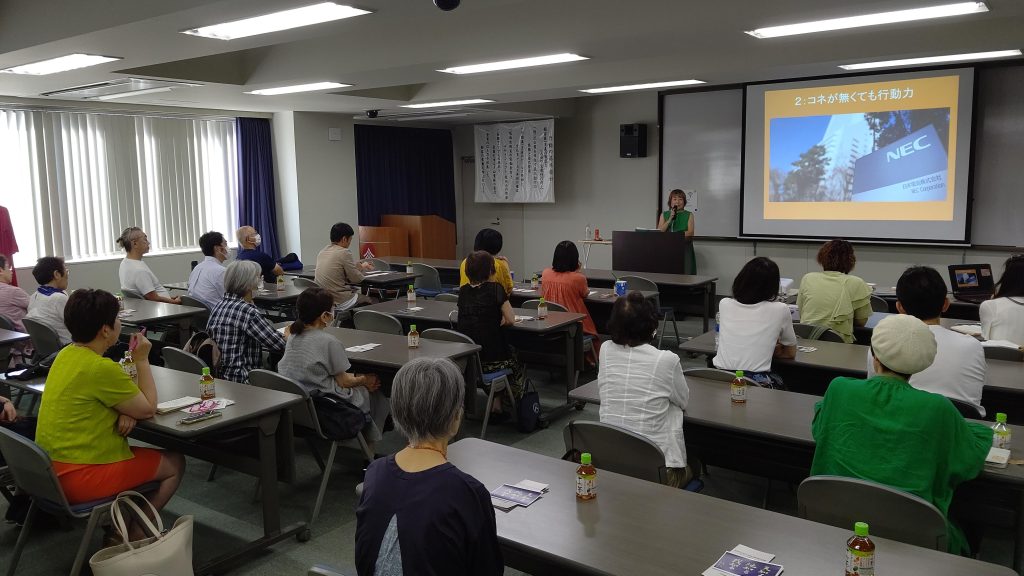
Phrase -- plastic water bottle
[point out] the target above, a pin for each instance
(860, 552)
(1000, 432)
(207, 387)
(718, 327)
(408, 267)
(410, 296)
(586, 479)
(280, 283)
(129, 367)
(542, 309)
(414, 337)
(738, 389)
(534, 283)
(586, 236)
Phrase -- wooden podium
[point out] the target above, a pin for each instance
(385, 241)
(649, 251)
(429, 236)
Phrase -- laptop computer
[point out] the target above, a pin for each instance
(971, 282)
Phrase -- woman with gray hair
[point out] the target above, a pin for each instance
(238, 327)
(419, 513)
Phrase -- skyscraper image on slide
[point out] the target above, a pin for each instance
(859, 157)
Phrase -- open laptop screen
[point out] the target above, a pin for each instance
(971, 278)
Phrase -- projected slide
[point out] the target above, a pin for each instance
(880, 157)
(892, 156)
(869, 151)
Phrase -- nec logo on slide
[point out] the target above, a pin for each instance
(907, 149)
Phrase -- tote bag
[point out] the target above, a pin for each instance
(159, 554)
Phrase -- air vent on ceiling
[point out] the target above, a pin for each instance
(121, 88)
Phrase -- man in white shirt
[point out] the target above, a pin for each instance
(135, 274)
(46, 305)
(206, 282)
(959, 368)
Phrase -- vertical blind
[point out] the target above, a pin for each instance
(74, 181)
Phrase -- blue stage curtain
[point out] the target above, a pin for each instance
(256, 181)
(404, 171)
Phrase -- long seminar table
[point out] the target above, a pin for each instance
(958, 309)
(388, 280)
(674, 289)
(640, 527)
(394, 352)
(148, 313)
(266, 411)
(530, 337)
(771, 436)
(811, 372)
(270, 296)
(8, 337)
(448, 270)
(599, 302)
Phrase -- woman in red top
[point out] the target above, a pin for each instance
(563, 284)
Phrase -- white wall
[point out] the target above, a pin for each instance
(593, 185)
(103, 273)
(287, 192)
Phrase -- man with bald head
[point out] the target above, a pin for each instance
(248, 249)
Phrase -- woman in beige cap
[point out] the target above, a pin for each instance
(884, 430)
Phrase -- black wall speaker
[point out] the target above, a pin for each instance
(632, 140)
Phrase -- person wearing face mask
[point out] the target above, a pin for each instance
(249, 241)
(678, 219)
(206, 282)
(135, 274)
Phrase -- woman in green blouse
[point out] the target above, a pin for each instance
(678, 219)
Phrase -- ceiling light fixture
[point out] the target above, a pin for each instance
(277, 21)
(449, 103)
(118, 95)
(942, 11)
(519, 63)
(641, 86)
(60, 64)
(933, 60)
(298, 88)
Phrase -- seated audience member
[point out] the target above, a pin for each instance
(237, 326)
(206, 282)
(13, 300)
(9, 419)
(959, 367)
(46, 305)
(884, 430)
(317, 360)
(418, 512)
(562, 283)
(483, 309)
(833, 297)
(90, 406)
(338, 272)
(135, 274)
(643, 388)
(490, 241)
(249, 241)
(1002, 317)
(753, 327)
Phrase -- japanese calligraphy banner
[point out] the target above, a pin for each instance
(887, 149)
(515, 162)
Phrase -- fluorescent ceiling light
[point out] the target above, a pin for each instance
(520, 63)
(449, 103)
(427, 117)
(298, 88)
(958, 9)
(932, 60)
(131, 93)
(61, 64)
(641, 86)
(277, 21)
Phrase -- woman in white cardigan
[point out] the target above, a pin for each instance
(1002, 317)
(642, 388)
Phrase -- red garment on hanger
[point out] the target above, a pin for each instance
(8, 243)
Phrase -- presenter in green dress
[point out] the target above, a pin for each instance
(678, 219)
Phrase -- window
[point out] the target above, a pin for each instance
(74, 180)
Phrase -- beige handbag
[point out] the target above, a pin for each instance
(161, 554)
